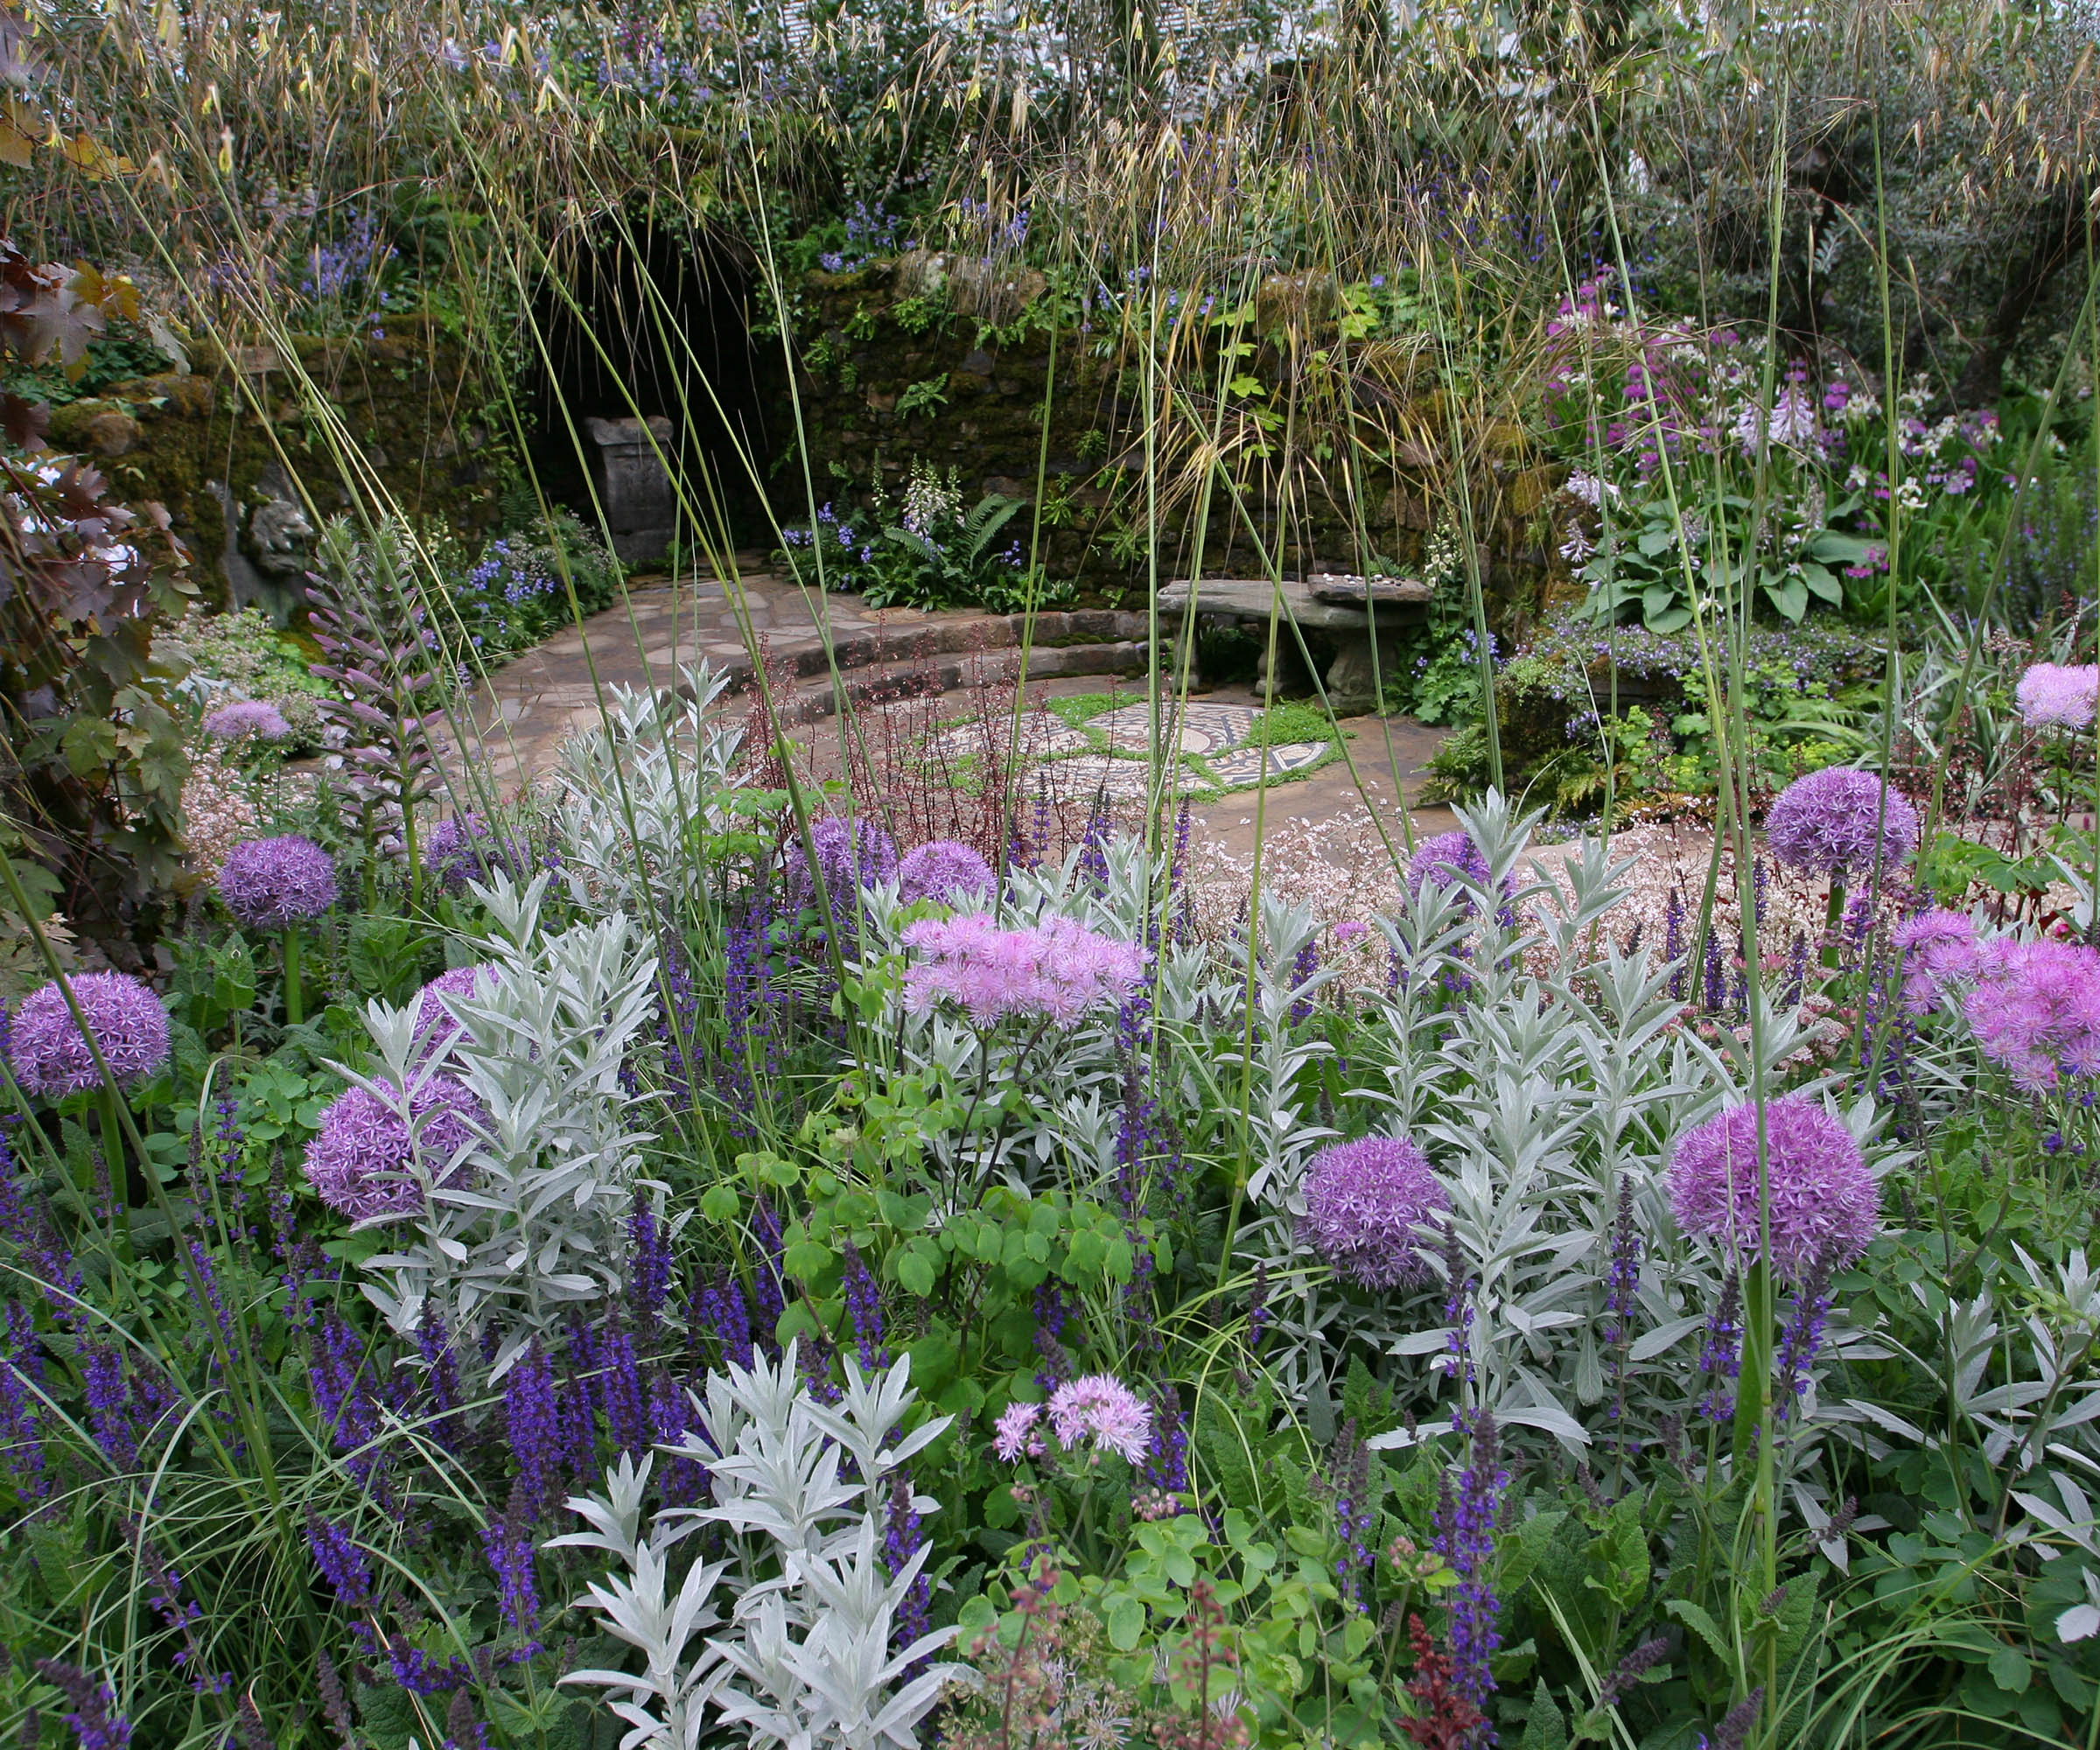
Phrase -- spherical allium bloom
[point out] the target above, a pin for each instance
(850, 854)
(244, 717)
(1442, 860)
(436, 1025)
(1014, 1435)
(49, 1057)
(1823, 1201)
(1364, 1201)
(2050, 694)
(946, 870)
(1102, 1409)
(1824, 824)
(1060, 968)
(1936, 945)
(461, 849)
(359, 1161)
(270, 884)
(2036, 1009)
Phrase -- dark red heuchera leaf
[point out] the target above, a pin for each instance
(1446, 1720)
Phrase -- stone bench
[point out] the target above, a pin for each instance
(1339, 609)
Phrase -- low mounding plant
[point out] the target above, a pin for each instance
(808, 1653)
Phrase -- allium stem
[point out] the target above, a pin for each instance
(294, 1008)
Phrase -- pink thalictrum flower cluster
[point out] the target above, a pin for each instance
(1936, 945)
(1099, 1412)
(2035, 1009)
(1058, 969)
(2051, 695)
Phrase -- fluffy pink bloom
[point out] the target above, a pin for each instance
(2036, 1009)
(1014, 1433)
(1824, 1204)
(1349, 930)
(359, 1160)
(1060, 969)
(49, 1058)
(1363, 1202)
(1936, 946)
(2052, 694)
(247, 717)
(1100, 1409)
(1825, 823)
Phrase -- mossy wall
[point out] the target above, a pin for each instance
(235, 430)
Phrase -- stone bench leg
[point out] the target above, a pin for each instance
(1352, 682)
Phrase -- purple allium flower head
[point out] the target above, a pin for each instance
(1060, 969)
(2036, 1009)
(946, 870)
(1824, 824)
(2052, 694)
(1364, 1201)
(1102, 1409)
(244, 717)
(1823, 1201)
(462, 848)
(269, 884)
(850, 854)
(436, 1025)
(1936, 945)
(1442, 860)
(49, 1058)
(359, 1161)
(1014, 1433)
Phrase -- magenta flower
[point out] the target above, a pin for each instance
(1825, 823)
(2052, 694)
(245, 717)
(1936, 946)
(1014, 1435)
(946, 870)
(2036, 1009)
(1059, 969)
(359, 1162)
(1364, 1201)
(1823, 1201)
(1443, 860)
(270, 884)
(49, 1058)
(436, 1025)
(1104, 1411)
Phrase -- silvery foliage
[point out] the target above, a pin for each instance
(539, 1228)
(637, 791)
(803, 1658)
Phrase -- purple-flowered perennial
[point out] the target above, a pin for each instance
(51, 1059)
(946, 871)
(1822, 1198)
(649, 1264)
(902, 1538)
(1721, 1352)
(1057, 971)
(360, 1163)
(91, 1710)
(437, 1026)
(244, 717)
(340, 1559)
(1465, 1539)
(270, 884)
(462, 848)
(1166, 1451)
(1104, 1411)
(2036, 1009)
(1365, 1202)
(2051, 695)
(1444, 859)
(850, 855)
(534, 1421)
(863, 1309)
(1014, 1435)
(1839, 823)
(511, 1547)
(1938, 946)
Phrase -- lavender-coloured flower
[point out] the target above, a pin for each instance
(1936, 945)
(341, 1560)
(360, 1161)
(850, 854)
(532, 1418)
(1101, 1409)
(1059, 969)
(1465, 1539)
(244, 717)
(945, 870)
(436, 1024)
(1825, 823)
(462, 848)
(1364, 1202)
(2050, 694)
(49, 1056)
(92, 1706)
(2036, 1009)
(1014, 1434)
(1823, 1198)
(270, 884)
(1443, 860)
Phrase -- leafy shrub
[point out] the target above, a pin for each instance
(241, 654)
(517, 592)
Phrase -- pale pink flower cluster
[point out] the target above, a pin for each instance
(2036, 1009)
(1099, 1411)
(2052, 694)
(1060, 969)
